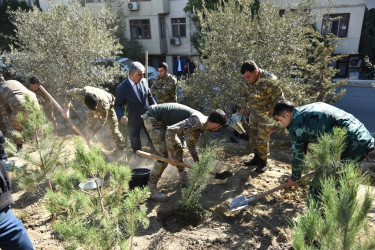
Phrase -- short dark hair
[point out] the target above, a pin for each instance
(91, 101)
(34, 80)
(250, 66)
(218, 116)
(283, 106)
(163, 65)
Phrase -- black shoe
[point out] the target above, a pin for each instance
(262, 166)
(252, 162)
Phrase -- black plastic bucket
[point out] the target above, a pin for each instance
(139, 177)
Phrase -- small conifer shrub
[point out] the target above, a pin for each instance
(339, 220)
(105, 217)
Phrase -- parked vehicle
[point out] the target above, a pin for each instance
(125, 63)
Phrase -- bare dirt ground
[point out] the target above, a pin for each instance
(265, 224)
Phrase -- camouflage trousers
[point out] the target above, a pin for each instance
(156, 129)
(260, 131)
(112, 123)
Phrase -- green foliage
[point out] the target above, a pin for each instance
(367, 43)
(287, 46)
(340, 220)
(102, 218)
(199, 176)
(6, 27)
(37, 132)
(132, 49)
(63, 44)
(325, 154)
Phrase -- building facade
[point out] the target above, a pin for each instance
(163, 28)
(344, 18)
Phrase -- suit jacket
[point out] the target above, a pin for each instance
(175, 66)
(125, 96)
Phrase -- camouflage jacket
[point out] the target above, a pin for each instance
(262, 95)
(45, 102)
(311, 121)
(165, 89)
(107, 102)
(12, 94)
(194, 125)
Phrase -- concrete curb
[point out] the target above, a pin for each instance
(356, 82)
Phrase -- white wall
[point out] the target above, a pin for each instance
(351, 42)
(356, 9)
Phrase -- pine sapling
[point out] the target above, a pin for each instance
(339, 221)
(199, 175)
(38, 137)
(104, 217)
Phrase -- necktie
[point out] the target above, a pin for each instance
(140, 93)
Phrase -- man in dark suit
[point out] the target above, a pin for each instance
(135, 94)
(178, 67)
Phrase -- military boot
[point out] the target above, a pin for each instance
(155, 195)
(183, 178)
(253, 162)
(261, 166)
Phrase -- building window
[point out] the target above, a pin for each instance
(140, 29)
(162, 28)
(178, 27)
(336, 24)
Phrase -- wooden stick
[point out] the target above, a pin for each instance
(257, 197)
(159, 158)
(75, 128)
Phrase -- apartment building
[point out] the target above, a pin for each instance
(344, 18)
(163, 28)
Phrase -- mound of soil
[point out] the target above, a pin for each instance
(265, 224)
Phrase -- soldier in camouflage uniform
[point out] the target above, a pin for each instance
(306, 123)
(34, 84)
(164, 86)
(12, 96)
(164, 122)
(260, 93)
(101, 106)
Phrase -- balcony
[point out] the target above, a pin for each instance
(161, 6)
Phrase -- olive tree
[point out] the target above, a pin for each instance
(65, 46)
(285, 44)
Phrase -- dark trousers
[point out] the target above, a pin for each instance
(135, 134)
(12, 233)
(178, 74)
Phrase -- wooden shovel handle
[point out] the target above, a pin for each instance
(159, 158)
(279, 187)
(75, 128)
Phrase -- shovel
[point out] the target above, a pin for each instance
(242, 202)
(220, 176)
(75, 128)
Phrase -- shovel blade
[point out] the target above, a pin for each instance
(238, 203)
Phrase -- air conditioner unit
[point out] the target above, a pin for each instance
(175, 41)
(355, 62)
(133, 6)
